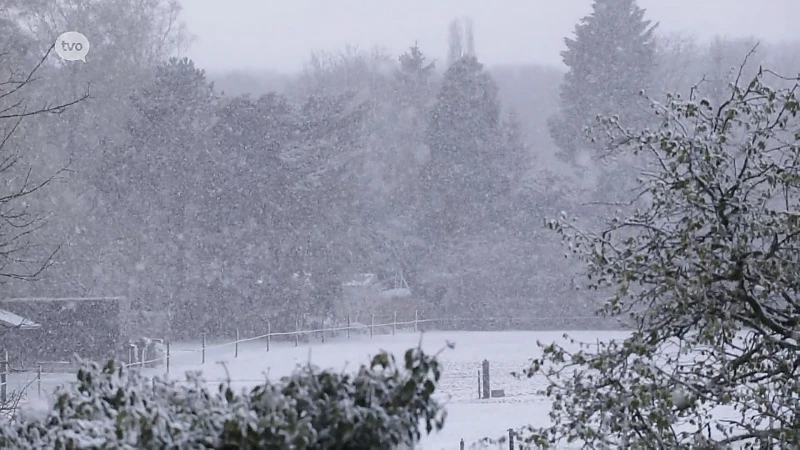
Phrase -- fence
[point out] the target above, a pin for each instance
(296, 334)
(501, 444)
(416, 324)
(57, 372)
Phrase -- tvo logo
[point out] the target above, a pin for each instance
(72, 46)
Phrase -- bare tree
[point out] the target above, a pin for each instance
(20, 257)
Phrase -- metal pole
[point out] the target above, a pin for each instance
(348, 326)
(167, 356)
(39, 380)
(297, 332)
(322, 330)
(416, 319)
(372, 326)
(269, 333)
(394, 323)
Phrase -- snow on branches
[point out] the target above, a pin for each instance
(706, 271)
(382, 406)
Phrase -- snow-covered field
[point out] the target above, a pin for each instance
(468, 417)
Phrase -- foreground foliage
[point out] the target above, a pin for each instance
(706, 268)
(381, 407)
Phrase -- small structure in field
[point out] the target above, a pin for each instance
(58, 329)
(11, 321)
(366, 294)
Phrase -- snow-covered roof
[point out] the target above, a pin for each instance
(11, 320)
(363, 279)
(62, 299)
(394, 294)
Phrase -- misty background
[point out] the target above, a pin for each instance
(293, 147)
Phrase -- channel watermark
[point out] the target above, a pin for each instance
(72, 46)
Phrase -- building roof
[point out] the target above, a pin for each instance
(363, 280)
(11, 320)
(62, 299)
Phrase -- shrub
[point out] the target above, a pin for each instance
(380, 407)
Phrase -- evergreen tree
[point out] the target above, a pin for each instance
(250, 182)
(464, 136)
(610, 60)
(515, 160)
(158, 179)
(414, 78)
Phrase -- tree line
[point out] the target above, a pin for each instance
(208, 209)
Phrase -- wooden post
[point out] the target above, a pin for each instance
(204, 349)
(236, 345)
(131, 354)
(167, 356)
(39, 380)
(4, 378)
(416, 319)
(348, 326)
(297, 332)
(510, 439)
(142, 354)
(486, 384)
(372, 326)
(479, 384)
(322, 330)
(269, 333)
(394, 323)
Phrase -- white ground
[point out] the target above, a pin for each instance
(468, 417)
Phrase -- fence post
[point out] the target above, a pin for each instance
(142, 354)
(480, 395)
(4, 378)
(486, 384)
(204, 349)
(510, 439)
(269, 333)
(348, 326)
(39, 380)
(167, 356)
(322, 330)
(372, 325)
(297, 332)
(236, 345)
(416, 320)
(394, 323)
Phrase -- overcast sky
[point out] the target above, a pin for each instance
(280, 34)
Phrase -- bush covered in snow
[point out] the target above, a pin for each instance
(380, 407)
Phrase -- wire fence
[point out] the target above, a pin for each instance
(52, 373)
(324, 332)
